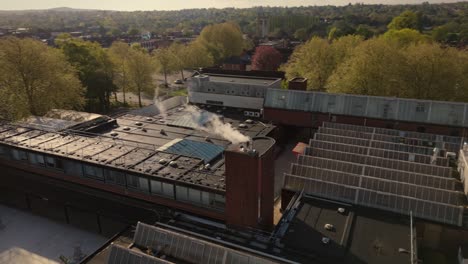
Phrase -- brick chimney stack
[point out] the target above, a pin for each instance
(250, 184)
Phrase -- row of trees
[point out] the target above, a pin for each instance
(302, 22)
(402, 63)
(80, 74)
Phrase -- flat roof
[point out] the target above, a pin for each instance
(134, 145)
(263, 81)
(357, 235)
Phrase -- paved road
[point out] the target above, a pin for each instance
(159, 79)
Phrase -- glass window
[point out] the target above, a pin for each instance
(219, 201)
(93, 172)
(139, 183)
(36, 159)
(115, 177)
(156, 187)
(132, 181)
(162, 188)
(168, 189)
(207, 198)
(73, 168)
(3, 151)
(182, 193)
(194, 195)
(54, 163)
(143, 184)
(19, 154)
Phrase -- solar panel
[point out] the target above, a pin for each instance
(379, 184)
(382, 134)
(121, 255)
(382, 162)
(192, 121)
(190, 249)
(382, 153)
(444, 213)
(392, 176)
(191, 148)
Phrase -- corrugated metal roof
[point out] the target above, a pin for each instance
(190, 148)
(412, 110)
(192, 121)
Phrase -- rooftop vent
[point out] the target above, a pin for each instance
(173, 164)
(126, 128)
(242, 125)
(249, 121)
(114, 134)
(329, 227)
(162, 161)
(163, 132)
(149, 119)
(138, 123)
(341, 210)
(325, 240)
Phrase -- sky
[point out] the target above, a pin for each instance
(131, 5)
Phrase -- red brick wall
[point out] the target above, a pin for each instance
(241, 189)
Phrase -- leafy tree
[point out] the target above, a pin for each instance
(317, 59)
(407, 19)
(141, 69)
(180, 53)
(374, 68)
(120, 54)
(435, 73)
(96, 71)
(165, 61)
(266, 58)
(301, 34)
(365, 31)
(222, 40)
(198, 56)
(35, 78)
(406, 36)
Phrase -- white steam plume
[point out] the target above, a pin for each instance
(212, 123)
(159, 105)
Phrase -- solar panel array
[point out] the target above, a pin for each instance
(121, 255)
(355, 170)
(383, 153)
(190, 249)
(392, 135)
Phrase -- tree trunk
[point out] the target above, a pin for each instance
(139, 97)
(182, 74)
(165, 78)
(124, 97)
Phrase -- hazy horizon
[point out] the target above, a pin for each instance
(125, 5)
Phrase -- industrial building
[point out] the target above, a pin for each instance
(205, 170)
(164, 161)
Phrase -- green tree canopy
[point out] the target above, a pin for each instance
(141, 68)
(35, 78)
(120, 54)
(406, 36)
(96, 71)
(407, 19)
(222, 40)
